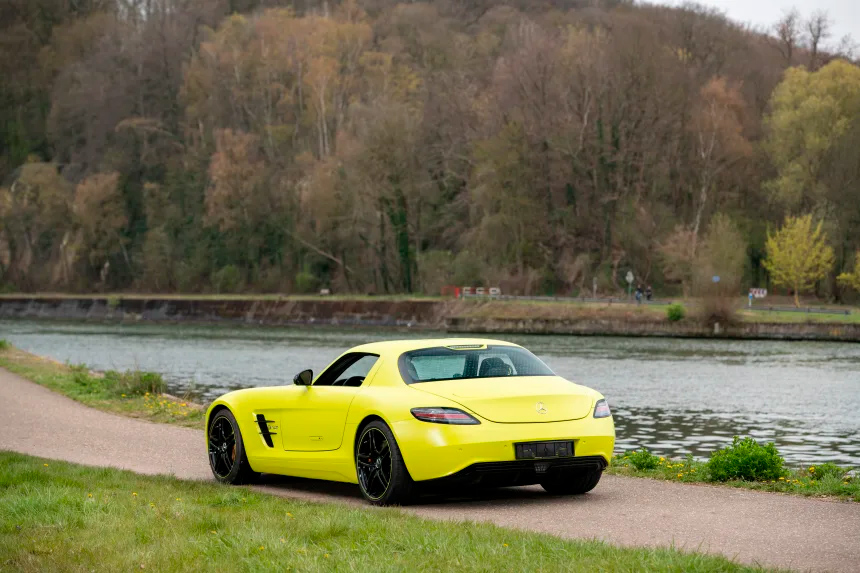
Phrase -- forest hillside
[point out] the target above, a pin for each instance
(371, 146)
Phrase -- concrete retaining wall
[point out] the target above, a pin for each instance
(683, 329)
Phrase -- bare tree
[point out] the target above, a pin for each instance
(817, 31)
(788, 34)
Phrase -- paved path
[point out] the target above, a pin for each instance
(752, 527)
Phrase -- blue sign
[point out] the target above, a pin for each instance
(716, 279)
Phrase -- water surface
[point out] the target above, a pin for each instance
(674, 396)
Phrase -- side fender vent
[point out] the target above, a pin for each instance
(266, 429)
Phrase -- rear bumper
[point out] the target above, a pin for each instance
(435, 451)
(519, 472)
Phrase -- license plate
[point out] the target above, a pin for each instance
(537, 450)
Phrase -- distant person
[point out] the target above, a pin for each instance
(648, 293)
(638, 294)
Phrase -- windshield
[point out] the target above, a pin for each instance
(442, 363)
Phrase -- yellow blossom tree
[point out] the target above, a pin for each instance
(798, 255)
(851, 280)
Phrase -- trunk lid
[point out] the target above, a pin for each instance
(516, 399)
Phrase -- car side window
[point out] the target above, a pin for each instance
(349, 370)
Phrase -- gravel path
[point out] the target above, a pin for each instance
(752, 527)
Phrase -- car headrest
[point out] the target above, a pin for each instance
(494, 367)
(410, 368)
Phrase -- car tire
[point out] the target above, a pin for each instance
(227, 458)
(377, 457)
(572, 483)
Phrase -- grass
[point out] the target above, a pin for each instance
(66, 517)
(805, 481)
(133, 393)
(779, 316)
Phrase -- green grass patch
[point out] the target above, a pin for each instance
(65, 517)
(825, 480)
(133, 393)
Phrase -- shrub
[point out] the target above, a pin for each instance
(746, 460)
(227, 280)
(643, 459)
(306, 283)
(718, 309)
(4, 345)
(826, 470)
(675, 312)
(130, 382)
(134, 382)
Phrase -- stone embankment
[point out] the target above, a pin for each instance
(666, 329)
(457, 317)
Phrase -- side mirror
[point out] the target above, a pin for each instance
(304, 378)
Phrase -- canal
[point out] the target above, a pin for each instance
(673, 396)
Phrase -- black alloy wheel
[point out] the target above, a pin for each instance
(227, 451)
(382, 475)
(222, 447)
(373, 460)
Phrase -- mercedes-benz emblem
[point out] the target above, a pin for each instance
(541, 409)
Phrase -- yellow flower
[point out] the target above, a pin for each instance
(289, 514)
(261, 548)
(782, 479)
(178, 499)
(183, 404)
(213, 532)
(812, 469)
(134, 493)
(89, 495)
(679, 475)
(504, 544)
(662, 459)
(326, 555)
(123, 395)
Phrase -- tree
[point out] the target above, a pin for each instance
(679, 254)
(811, 111)
(851, 280)
(722, 253)
(798, 255)
(100, 213)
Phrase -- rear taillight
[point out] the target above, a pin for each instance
(601, 409)
(444, 416)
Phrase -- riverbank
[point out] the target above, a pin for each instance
(60, 513)
(472, 316)
(135, 394)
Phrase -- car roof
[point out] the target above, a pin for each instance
(398, 347)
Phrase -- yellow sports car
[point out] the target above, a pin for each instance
(400, 416)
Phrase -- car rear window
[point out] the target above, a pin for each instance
(444, 363)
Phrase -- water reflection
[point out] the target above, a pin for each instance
(673, 396)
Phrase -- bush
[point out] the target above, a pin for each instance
(643, 459)
(718, 309)
(134, 382)
(306, 283)
(130, 382)
(826, 470)
(227, 280)
(746, 460)
(4, 345)
(675, 312)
